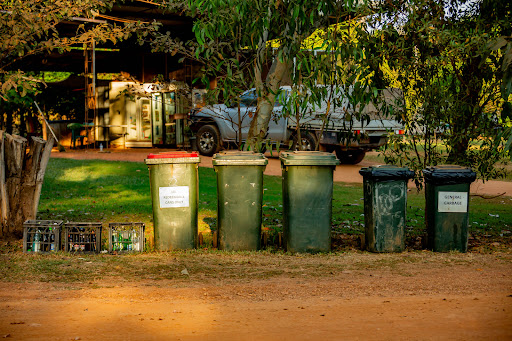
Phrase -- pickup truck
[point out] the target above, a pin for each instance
(217, 126)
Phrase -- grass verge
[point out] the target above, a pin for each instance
(85, 190)
(109, 191)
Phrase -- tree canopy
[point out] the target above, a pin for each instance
(452, 59)
(265, 44)
(33, 29)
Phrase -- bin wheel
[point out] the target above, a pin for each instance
(208, 140)
(308, 142)
(350, 157)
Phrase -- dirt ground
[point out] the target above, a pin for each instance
(411, 296)
(351, 295)
(343, 173)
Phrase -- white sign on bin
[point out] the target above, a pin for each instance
(453, 202)
(176, 196)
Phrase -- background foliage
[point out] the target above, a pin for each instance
(451, 58)
(31, 28)
(267, 44)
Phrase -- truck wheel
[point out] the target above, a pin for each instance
(308, 142)
(350, 157)
(208, 140)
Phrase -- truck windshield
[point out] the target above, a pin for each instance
(250, 98)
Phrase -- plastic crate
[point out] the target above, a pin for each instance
(126, 237)
(82, 237)
(41, 235)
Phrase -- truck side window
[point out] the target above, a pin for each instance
(249, 99)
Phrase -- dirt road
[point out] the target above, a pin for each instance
(413, 296)
(343, 173)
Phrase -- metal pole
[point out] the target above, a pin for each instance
(48, 124)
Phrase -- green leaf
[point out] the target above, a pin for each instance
(296, 10)
(198, 37)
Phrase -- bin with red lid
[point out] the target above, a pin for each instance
(174, 192)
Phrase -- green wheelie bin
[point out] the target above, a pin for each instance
(239, 199)
(174, 191)
(447, 207)
(385, 202)
(307, 200)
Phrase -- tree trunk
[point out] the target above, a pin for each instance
(4, 203)
(259, 124)
(266, 99)
(457, 153)
(21, 179)
(14, 155)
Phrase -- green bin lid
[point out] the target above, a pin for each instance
(308, 158)
(239, 158)
(449, 175)
(172, 157)
(386, 172)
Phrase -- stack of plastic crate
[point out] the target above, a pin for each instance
(41, 235)
(126, 237)
(82, 237)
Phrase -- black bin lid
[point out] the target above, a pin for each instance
(386, 172)
(448, 175)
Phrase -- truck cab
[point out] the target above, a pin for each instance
(219, 125)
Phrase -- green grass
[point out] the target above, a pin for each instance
(90, 191)
(108, 191)
(85, 190)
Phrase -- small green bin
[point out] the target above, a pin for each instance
(447, 207)
(174, 191)
(385, 202)
(239, 199)
(307, 200)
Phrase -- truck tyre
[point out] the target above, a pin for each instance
(350, 157)
(308, 142)
(208, 140)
